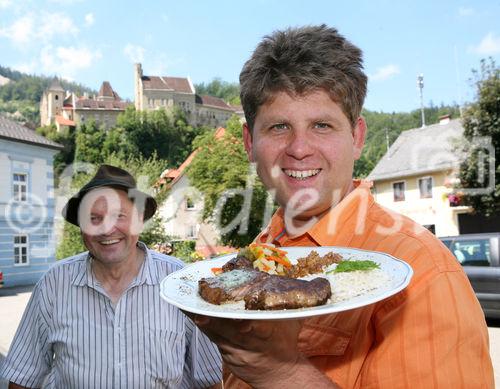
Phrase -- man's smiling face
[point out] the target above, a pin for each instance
(305, 148)
(114, 226)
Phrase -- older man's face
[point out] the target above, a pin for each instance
(110, 225)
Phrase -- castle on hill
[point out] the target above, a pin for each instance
(65, 109)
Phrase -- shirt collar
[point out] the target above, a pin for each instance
(337, 227)
(148, 273)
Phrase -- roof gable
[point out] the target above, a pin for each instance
(107, 91)
(421, 150)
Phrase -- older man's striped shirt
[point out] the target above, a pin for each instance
(71, 335)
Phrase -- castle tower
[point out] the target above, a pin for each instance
(52, 103)
(138, 97)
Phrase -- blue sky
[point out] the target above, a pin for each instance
(89, 41)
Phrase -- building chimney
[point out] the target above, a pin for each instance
(445, 119)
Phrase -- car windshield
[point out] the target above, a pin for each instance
(471, 252)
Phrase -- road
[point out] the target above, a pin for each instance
(14, 300)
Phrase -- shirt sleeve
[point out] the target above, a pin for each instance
(203, 363)
(30, 356)
(435, 335)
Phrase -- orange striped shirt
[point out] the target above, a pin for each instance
(431, 335)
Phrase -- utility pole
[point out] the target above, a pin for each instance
(420, 85)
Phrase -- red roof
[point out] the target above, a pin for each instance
(107, 91)
(177, 84)
(212, 102)
(61, 120)
(84, 103)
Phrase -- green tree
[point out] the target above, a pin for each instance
(164, 133)
(88, 143)
(65, 137)
(154, 232)
(116, 142)
(482, 119)
(233, 195)
(229, 92)
(71, 242)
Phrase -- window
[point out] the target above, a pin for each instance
(20, 250)
(399, 191)
(19, 186)
(471, 252)
(425, 187)
(191, 231)
(189, 203)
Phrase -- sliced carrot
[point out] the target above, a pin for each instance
(216, 270)
(273, 248)
(283, 261)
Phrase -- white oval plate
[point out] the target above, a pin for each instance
(181, 288)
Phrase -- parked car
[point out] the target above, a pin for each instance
(479, 254)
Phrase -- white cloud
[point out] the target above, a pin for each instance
(36, 28)
(5, 3)
(489, 45)
(465, 11)
(89, 19)
(55, 24)
(134, 53)
(385, 73)
(21, 31)
(67, 61)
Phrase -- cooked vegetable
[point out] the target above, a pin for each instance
(267, 258)
(346, 266)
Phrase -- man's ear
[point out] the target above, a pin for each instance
(248, 141)
(358, 135)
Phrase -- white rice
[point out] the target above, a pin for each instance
(347, 285)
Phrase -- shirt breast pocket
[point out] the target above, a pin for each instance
(164, 358)
(317, 339)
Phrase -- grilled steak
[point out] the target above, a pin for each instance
(238, 262)
(231, 285)
(278, 292)
(264, 291)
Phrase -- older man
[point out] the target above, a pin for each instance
(96, 320)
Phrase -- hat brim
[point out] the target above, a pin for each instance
(70, 210)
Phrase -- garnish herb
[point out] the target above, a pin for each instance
(346, 266)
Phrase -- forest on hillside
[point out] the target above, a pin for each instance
(20, 97)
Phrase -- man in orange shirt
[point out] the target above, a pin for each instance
(302, 92)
